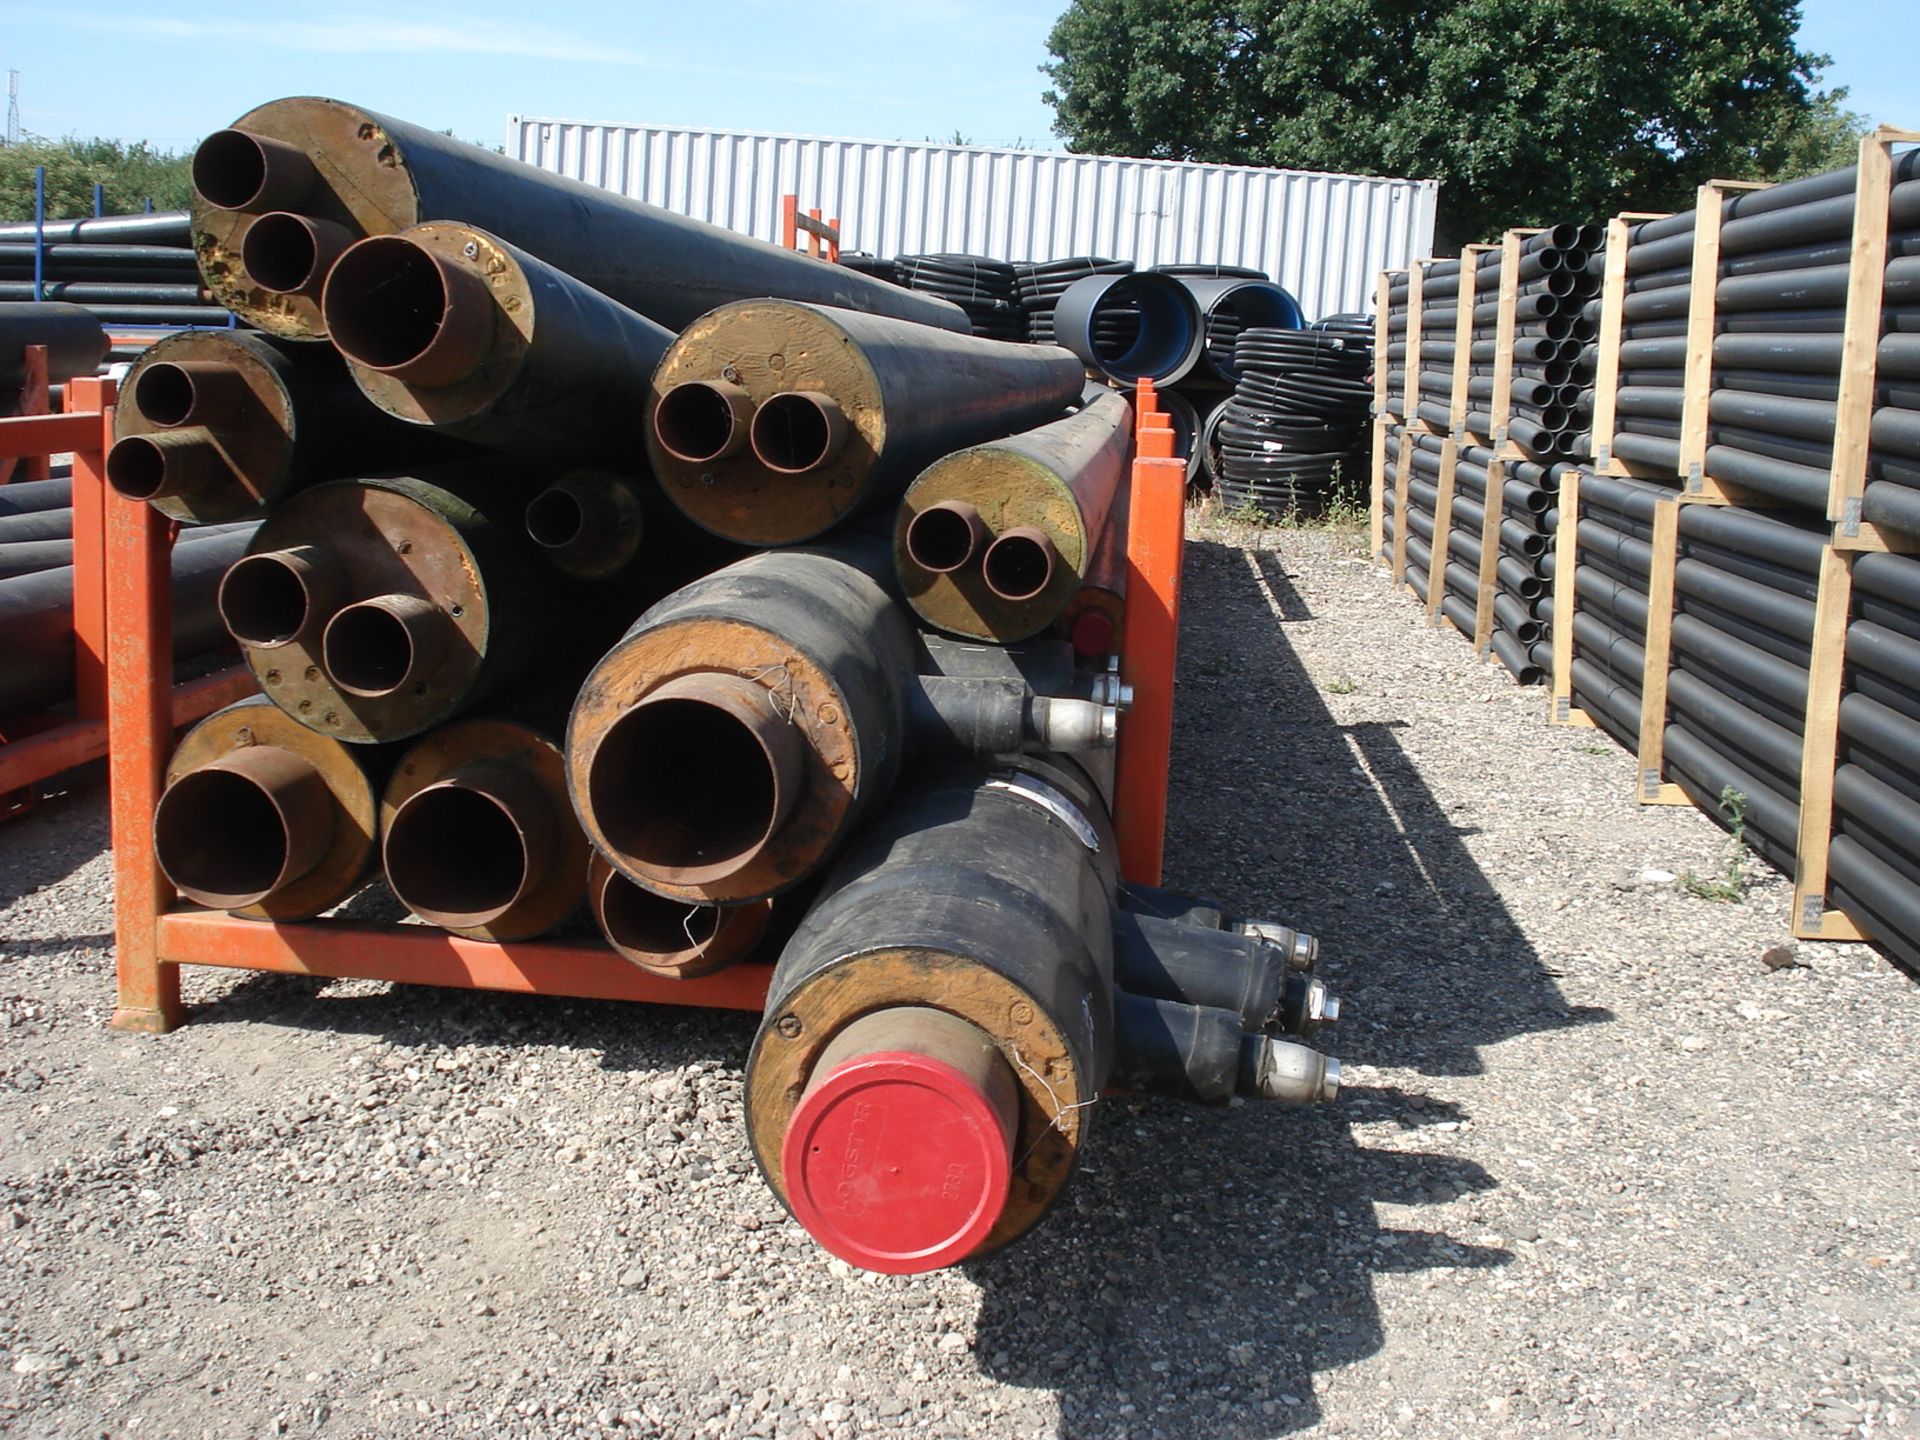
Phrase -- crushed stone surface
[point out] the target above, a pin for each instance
(1599, 1167)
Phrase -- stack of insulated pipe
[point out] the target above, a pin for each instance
(129, 270)
(537, 669)
(1780, 301)
(1433, 366)
(1555, 282)
(1873, 863)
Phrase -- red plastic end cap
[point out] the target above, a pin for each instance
(1093, 634)
(897, 1162)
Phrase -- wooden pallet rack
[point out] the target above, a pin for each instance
(155, 934)
(1849, 535)
(33, 749)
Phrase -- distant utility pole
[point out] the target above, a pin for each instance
(13, 107)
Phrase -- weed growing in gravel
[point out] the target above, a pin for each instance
(1731, 885)
(1343, 686)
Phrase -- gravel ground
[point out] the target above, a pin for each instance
(1599, 1168)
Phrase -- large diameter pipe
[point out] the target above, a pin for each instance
(1163, 341)
(847, 409)
(265, 417)
(373, 175)
(36, 619)
(75, 342)
(263, 817)
(477, 833)
(1049, 490)
(376, 609)
(745, 726)
(974, 895)
(446, 326)
(1230, 305)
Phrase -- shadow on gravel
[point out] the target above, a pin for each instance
(630, 1037)
(1209, 1268)
(55, 838)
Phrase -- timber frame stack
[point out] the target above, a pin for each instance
(1751, 635)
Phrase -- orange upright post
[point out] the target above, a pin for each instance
(139, 673)
(1156, 538)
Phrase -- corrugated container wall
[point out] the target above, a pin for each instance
(1324, 237)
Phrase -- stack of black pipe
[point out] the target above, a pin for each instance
(1544, 405)
(1439, 316)
(1873, 865)
(127, 269)
(1779, 311)
(1297, 417)
(1395, 360)
(986, 289)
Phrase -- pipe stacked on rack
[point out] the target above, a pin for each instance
(1874, 862)
(1396, 359)
(1297, 417)
(1780, 298)
(128, 270)
(543, 670)
(1553, 287)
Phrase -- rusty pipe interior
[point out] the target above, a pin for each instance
(238, 170)
(946, 536)
(231, 833)
(798, 431)
(395, 306)
(702, 420)
(1020, 563)
(691, 783)
(383, 645)
(172, 393)
(292, 254)
(267, 600)
(166, 463)
(464, 850)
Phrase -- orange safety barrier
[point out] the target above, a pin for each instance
(37, 747)
(155, 933)
(823, 236)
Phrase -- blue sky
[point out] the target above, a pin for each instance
(879, 69)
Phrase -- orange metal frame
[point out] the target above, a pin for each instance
(823, 236)
(155, 934)
(44, 746)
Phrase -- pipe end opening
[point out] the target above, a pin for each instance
(220, 839)
(796, 432)
(456, 857)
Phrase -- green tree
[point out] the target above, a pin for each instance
(129, 173)
(1525, 111)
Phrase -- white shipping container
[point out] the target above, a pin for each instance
(1324, 237)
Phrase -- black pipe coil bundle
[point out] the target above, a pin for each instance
(986, 289)
(1041, 284)
(133, 270)
(872, 265)
(1297, 416)
(1202, 271)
